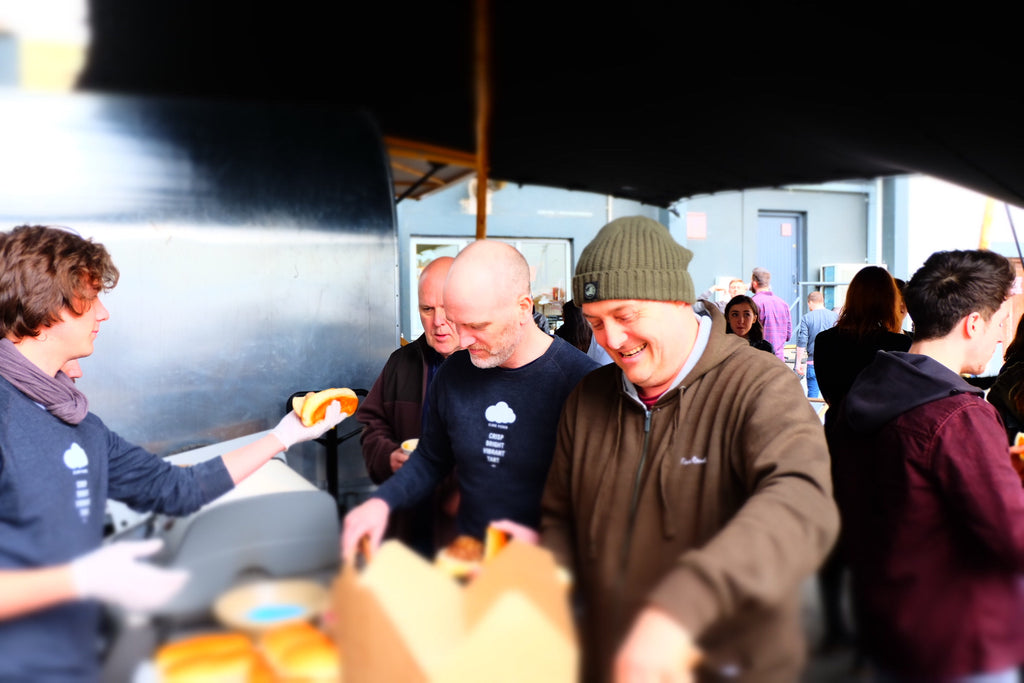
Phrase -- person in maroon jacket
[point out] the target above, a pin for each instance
(393, 410)
(931, 502)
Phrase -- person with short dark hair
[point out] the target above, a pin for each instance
(953, 284)
(574, 328)
(818, 319)
(931, 504)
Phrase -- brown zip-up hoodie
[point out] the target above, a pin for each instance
(714, 506)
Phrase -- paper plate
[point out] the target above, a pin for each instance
(265, 604)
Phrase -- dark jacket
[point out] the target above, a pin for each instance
(933, 515)
(762, 345)
(1003, 395)
(391, 413)
(393, 409)
(839, 356)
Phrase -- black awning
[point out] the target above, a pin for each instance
(636, 102)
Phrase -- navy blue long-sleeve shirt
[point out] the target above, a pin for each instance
(497, 427)
(55, 479)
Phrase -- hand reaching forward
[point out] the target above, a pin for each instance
(290, 430)
(369, 519)
(112, 574)
(658, 649)
(517, 531)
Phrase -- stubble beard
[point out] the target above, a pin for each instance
(508, 343)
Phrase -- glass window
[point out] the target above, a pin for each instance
(550, 269)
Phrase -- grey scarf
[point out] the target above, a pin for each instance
(59, 395)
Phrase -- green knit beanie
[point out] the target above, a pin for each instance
(633, 258)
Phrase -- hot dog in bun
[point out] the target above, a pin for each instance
(312, 407)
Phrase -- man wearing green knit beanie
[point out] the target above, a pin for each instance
(689, 492)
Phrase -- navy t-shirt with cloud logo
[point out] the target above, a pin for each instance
(497, 427)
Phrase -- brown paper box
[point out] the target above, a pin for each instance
(403, 620)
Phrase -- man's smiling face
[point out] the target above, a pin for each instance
(649, 340)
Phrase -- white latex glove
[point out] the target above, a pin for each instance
(112, 574)
(290, 430)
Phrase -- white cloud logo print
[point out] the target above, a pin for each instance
(75, 457)
(76, 460)
(499, 417)
(500, 413)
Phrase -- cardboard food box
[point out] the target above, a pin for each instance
(401, 619)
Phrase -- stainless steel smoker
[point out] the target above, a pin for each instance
(274, 524)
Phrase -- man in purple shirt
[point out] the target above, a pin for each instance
(775, 317)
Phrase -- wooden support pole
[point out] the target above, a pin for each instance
(482, 45)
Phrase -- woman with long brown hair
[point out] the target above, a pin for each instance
(743, 318)
(871, 321)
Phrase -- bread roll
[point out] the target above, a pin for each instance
(274, 642)
(205, 645)
(311, 660)
(299, 651)
(461, 558)
(314, 406)
(234, 667)
(297, 402)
